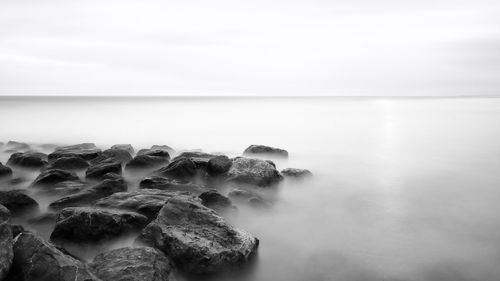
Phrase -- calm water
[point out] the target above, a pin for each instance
(404, 189)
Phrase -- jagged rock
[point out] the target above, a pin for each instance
(28, 159)
(112, 155)
(155, 182)
(68, 163)
(197, 239)
(265, 150)
(51, 177)
(183, 168)
(84, 224)
(17, 146)
(216, 201)
(219, 165)
(127, 147)
(87, 151)
(132, 264)
(98, 170)
(111, 183)
(17, 201)
(39, 260)
(248, 197)
(253, 171)
(6, 252)
(5, 171)
(144, 201)
(296, 173)
(148, 161)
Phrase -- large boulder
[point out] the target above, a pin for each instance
(253, 172)
(183, 168)
(127, 147)
(87, 151)
(17, 201)
(296, 173)
(197, 239)
(51, 177)
(147, 161)
(155, 182)
(39, 260)
(6, 253)
(265, 151)
(28, 159)
(98, 170)
(219, 165)
(163, 147)
(132, 264)
(154, 152)
(85, 224)
(68, 163)
(112, 155)
(5, 171)
(111, 183)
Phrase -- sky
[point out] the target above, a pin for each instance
(258, 47)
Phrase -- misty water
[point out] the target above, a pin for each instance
(403, 188)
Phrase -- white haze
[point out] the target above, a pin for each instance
(272, 47)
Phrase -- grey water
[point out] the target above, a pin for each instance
(403, 188)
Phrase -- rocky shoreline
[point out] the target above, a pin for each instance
(177, 214)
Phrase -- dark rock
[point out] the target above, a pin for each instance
(17, 201)
(219, 165)
(17, 146)
(195, 156)
(266, 150)
(144, 201)
(163, 147)
(36, 259)
(248, 197)
(197, 239)
(111, 183)
(68, 163)
(132, 264)
(151, 152)
(16, 229)
(146, 162)
(253, 171)
(112, 155)
(86, 151)
(127, 147)
(162, 183)
(6, 251)
(98, 171)
(5, 171)
(296, 173)
(183, 168)
(28, 159)
(84, 224)
(4, 214)
(51, 177)
(216, 201)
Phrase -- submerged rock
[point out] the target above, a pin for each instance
(296, 173)
(5, 171)
(98, 170)
(84, 224)
(6, 253)
(148, 161)
(28, 159)
(163, 183)
(132, 264)
(197, 239)
(127, 147)
(51, 177)
(68, 163)
(17, 201)
(183, 168)
(17, 146)
(87, 151)
(216, 201)
(67, 187)
(248, 197)
(36, 259)
(266, 150)
(253, 171)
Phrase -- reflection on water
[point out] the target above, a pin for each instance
(404, 189)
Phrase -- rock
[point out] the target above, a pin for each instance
(112, 155)
(163, 147)
(144, 201)
(87, 151)
(195, 156)
(127, 147)
(6, 251)
(266, 150)
(68, 187)
(111, 183)
(98, 171)
(51, 177)
(36, 259)
(28, 159)
(146, 162)
(68, 163)
(216, 201)
(4, 214)
(296, 173)
(183, 168)
(197, 239)
(17, 202)
(5, 171)
(162, 183)
(132, 264)
(219, 165)
(151, 152)
(16, 229)
(253, 171)
(17, 146)
(248, 197)
(84, 224)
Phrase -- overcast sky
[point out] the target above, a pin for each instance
(257, 47)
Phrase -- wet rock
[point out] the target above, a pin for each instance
(147, 161)
(36, 259)
(51, 177)
(127, 147)
(87, 151)
(84, 224)
(98, 170)
(296, 173)
(163, 147)
(17, 201)
(219, 165)
(68, 163)
(5, 171)
(17, 146)
(197, 239)
(6, 251)
(248, 198)
(112, 155)
(111, 183)
(266, 151)
(163, 183)
(28, 159)
(183, 168)
(253, 171)
(132, 264)
(216, 201)
(144, 201)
